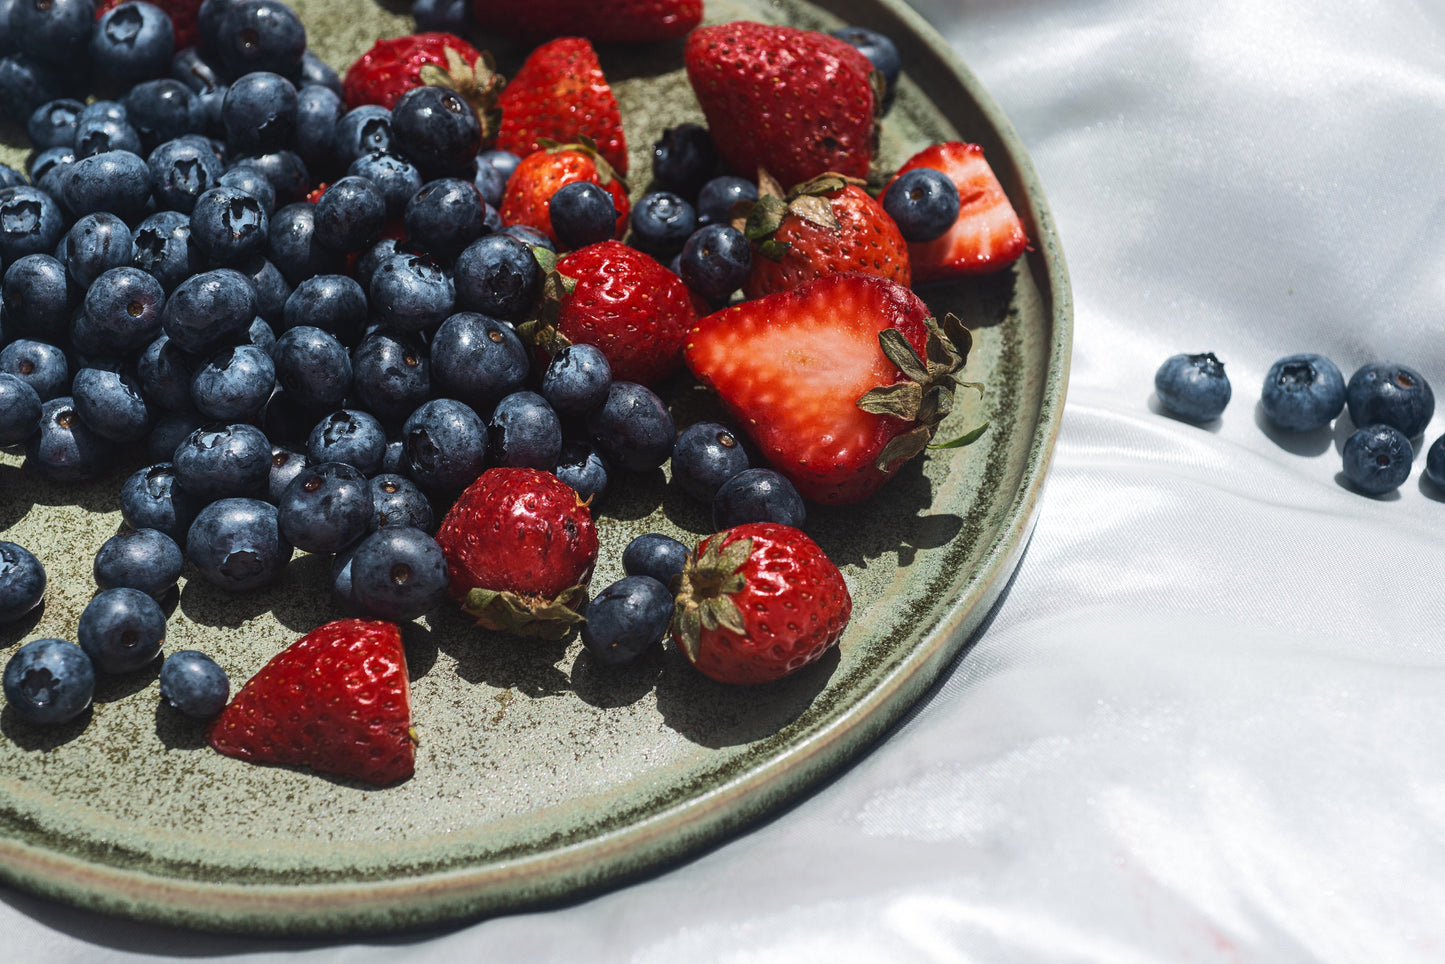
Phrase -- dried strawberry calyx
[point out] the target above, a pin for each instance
(704, 594)
(925, 396)
(759, 220)
(479, 84)
(509, 612)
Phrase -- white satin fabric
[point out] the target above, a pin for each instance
(1207, 722)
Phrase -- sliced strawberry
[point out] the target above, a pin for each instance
(561, 95)
(601, 21)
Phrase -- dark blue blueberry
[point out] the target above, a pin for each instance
(632, 429)
(236, 544)
(181, 171)
(350, 214)
(101, 134)
(143, 559)
(25, 84)
(504, 161)
(757, 495)
(351, 436)
(152, 499)
(164, 110)
(325, 508)
(38, 364)
(111, 404)
(478, 359)
(445, 216)
(234, 383)
(286, 464)
(398, 573)
(1377, 458)
(627, 619)
(582, 213)
(54, 30)
(705, 456)
(364, 130)
(582, 467)
(170, 431)
(208, 308)
(316, 72)
(259, 113)
(491, 183)
(446, 445)
(228, 225)
(411, 292)
(524, 432)
(49, 681)
(194, 69)
(125, 307)
(163, 249)
(261, 35)
(208, 22)
(133, 41)
(437, 130)
(370, 259)
(221, 461)
(1193, 387)
(53, 123)
(342, 596)
(114, 181)
(397, 501)
(194, 685)
(272, 290)
(1392, 395)
(294, 247)
(391, 373)
(923, 203)
(289, 176)
(576, 379)
(529, 236)
(881, 52)
(447, 16)
(66, 449)
(287, 421)
(121, 630)
(9, 177)
(684, 158)
(164, 373)
(1435, 463)
(96, 243)
(394, 176)
(331, 302)
(656, 555)
(50, 168)
(249, 178)
(499, 276)
(662, 222)
(394, 461)
(312, 366)
(717, 197)
(715, 261)
(37, 296)
(1303, 392)
(19, 410)
(30, 223)
(22, 581)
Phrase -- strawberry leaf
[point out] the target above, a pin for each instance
(509, 612)
(813, 208)
(764, 218)
(900, 400)
(768, 185)
(968, 438)
(904, 447)
(774, 250)
(901, 353)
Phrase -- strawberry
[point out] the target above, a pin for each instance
(336, 700)
(796, 102)
(395, 65)
(560, 94)
(758, 602)
(829, 379)
(824, 226)
(184, 14)
(528, 198)
(520, 546)
(601, 21)
(988, 234)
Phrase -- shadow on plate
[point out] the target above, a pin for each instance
(42, 738)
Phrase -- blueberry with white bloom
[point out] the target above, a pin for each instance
(1193, 387)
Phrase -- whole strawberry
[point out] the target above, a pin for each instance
(528, 198)
(561, 95)
(184, 16)
(601, 21)
(824, 226)
(758, 602)
(798, 103)
(520, 546)
(395, 65)
(336, 700)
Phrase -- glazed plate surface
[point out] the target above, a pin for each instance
(539, 774)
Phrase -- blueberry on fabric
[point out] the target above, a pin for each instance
(397, 501)
(684, 158)
(1377, 459)
(19, 410)
(398, 573)
(22, 581)
(30, 223)
(478, 359)
(524, 431)
(350, 214)
(445, 216)
(656, 555)
(223, 461)
(882, 53)
(294, 247)
(48, 682)
(627, 619)
(438, 130)
(228, 225)
(364, 130)
(236, 544)
(125, 308)
(715, 261)
(705, 456)
(151, 498)
(66, 449)
(445, 445)
(716, 198)
(260, 35)
(53, 123)
(633, 428)
(208, 308)
(326, 508)
(497, 275)
(411, 292)
(181, 171)
(350, 436)
(260, 112)
(133, 41)
(582, 467)
(121, 630)
(38, 364)
(233, 383)
(117, 181)
(163, 249)
(582, 213)
(1435, 463)
(1391, 394)
(391, 373)
(394, 176)
(1193, 387)
(923, 203)
(37, 296)
(194, 685)
(576, 379)
(312, 366)
(757, 495)
(1303, 392)
(96, 243)
(145, 559)
(110, 403)
(662, 222)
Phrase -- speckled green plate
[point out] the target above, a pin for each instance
(539, 775)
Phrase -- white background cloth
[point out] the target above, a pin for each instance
(1206, 723)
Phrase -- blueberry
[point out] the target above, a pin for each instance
(223, 461)
(169, 432)
(1377, 458)
(145, 559)
(504, 161)
(49, 169)
(411, 292)
(164, 373)
(397, 501)
(923, 203)
(152, 499)
(125, 307)
(163, 248)
(529, 236)
(25, 84)
(342, 595)
(1393, 395)
(369, 260)
(66, 449)
(110, 403)
(1303, 393)
(445, 216)
(394, 461)
(194, 685)
(38, 364)
(9, 177)
(1193, 387)
(334, 303)
(19, 410)
(318, 111)
(497, 275)
(252, 180)
(524, 432)
(286, 421)
(316, 72)
(632, 429)
(715, 261)
(447, 16)
(228, 225)
(133, 41)
(398, 573)
(446, 445)
(53, 123)
(438, 130)
(22, 581)
(233, 383)
(351, 436)
(582, 467)
(576, 379)
(117, 181)
(54, 30)
(490, 182)
(350, 214)
(256, 35)
(289, 176)
(272, 290)
(881, 52)
(627, 619)
(286, 464)
(364, 130)
(757, 495)
(656, 555)
(478, 359)
(394, 176)
(1435, 463)
(716, 198)
(705, 456)
(260, 112)
(312, 366)
(30, 223)
(121, 630)
(96, 243)
(209, 308)
(208, 23)
(37, 296)
(662, 222)
(181, 171)
(583, 213)
(101, 134)
(163, 110)
(236, 544)
(49, 681)
(684, 158)
(391, 373)
(196, 70)
(294, 247)
(326, 508)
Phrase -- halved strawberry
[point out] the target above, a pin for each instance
(528, 199)
(561, 95)
(601, 21)
(838, 381)
(988, 234)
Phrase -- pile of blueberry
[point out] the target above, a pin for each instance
(1392, 405)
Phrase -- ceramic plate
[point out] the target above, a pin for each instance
(539, 775)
